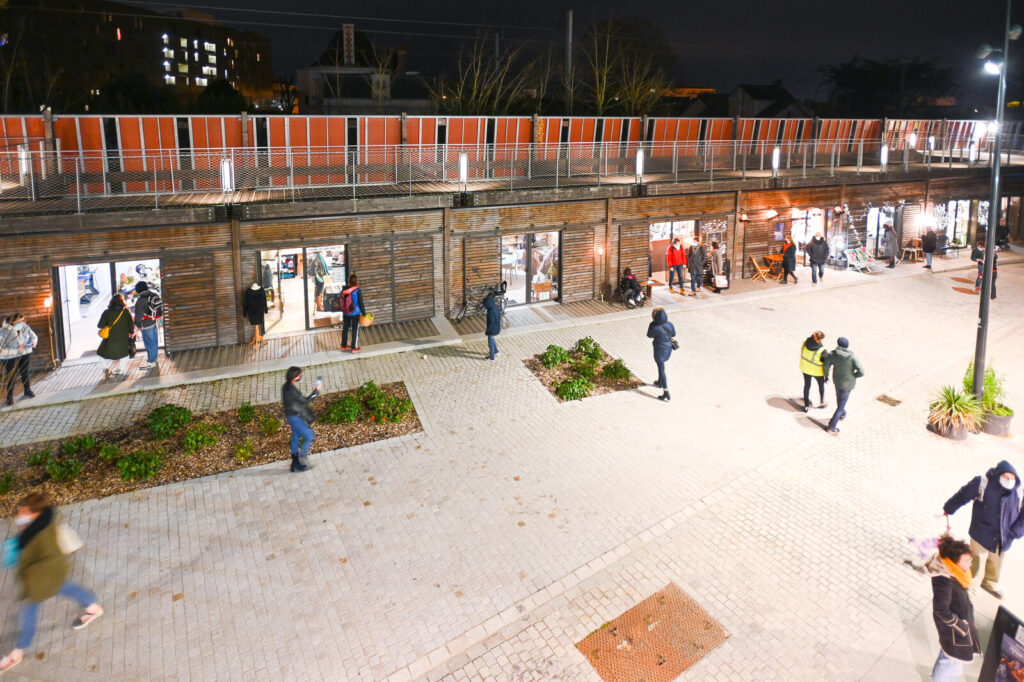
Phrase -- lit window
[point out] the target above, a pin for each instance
(257, 56)
(165, 38)
(212, 59)
(169, 53)
(184, 42)
(210, 71)
(167, 66)
(225, 74)
(231, 43)
(201, 82)
(196, 54)
(118, 34)
(169, 79)
(182, 68)
(195, 44)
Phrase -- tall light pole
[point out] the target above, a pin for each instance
(993, 204)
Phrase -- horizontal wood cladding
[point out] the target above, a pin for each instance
(662, 207)
(333, 230)
(190, 300)
(414, 278)
(25, 290)
(878, 194)
(72, 248)
(457, 272)
(372, 264)
(634, 245)
(527, 218)
(759, 241)
(959, 188)
(482, 261)
(226, 291)
(577, 265)
(822, 197)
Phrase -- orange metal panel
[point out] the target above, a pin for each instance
(275, 132)
(720, 129)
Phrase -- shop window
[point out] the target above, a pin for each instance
(531, 264)
(303, 287)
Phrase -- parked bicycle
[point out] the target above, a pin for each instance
(474, 303)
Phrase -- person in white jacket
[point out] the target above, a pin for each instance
(17, 341)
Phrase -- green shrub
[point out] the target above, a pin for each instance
(69, 447)
(270, 425)
(244, 451)
(573, 389)
(584, 368)
(992, 390)
(87, 443)
(343, 411)
(165, 420)
(590, 349)
(616, 369)
(63, 470)
(140, 465)
(384, 408)
(554, 356)
(246, 413)
(6, 482)
(38, 458)
(110, 453)
(201, 436)
(368, 391)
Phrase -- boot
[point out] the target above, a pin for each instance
(665, 396)
(297, 465)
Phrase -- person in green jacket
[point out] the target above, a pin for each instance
(846, 369)
(117, 319)
(42, 570)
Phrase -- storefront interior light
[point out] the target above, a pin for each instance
(972, 152)
(463, 168)
(48, 302)
(227, 175)
(912, 140)
(776, 158)
(884, 156)
(639, 165)
(770, 213)
(993, 126)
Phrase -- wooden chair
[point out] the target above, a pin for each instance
(761, 272)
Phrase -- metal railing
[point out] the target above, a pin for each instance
(74, 179)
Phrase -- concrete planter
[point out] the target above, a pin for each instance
(997, 425)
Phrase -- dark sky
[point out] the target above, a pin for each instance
(719, 43)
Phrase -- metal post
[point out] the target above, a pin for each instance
(735, 148)
(568, 160)
(156, 185)
(675, 160)
(804, 144)
(832, 162)
(558, 162)
(78, 186)
(31, 176)
(906, 156)
(170, 164)
(712, 178)
(744, 165)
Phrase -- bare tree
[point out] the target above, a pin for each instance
(382, 74)
(639, 84)
(286, 93)
(601, 60)
(483, 83)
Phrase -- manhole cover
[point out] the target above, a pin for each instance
(654, 641)
(889, 400)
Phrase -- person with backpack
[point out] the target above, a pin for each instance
(352, 307)
(149, 309)
(817, 252)
(812, 364)
(996, 521)
(952, 610)
(493, 324)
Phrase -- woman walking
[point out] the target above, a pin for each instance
(662, 331)
(43, 572)
(18, 342)
(117, 322)
(352, 307)
(812, 363)
(950, 571)
(789, 261)
(716, 266)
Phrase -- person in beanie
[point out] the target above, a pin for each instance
(42, 570)
(812, 365)
(817, 251)
(299, 415)
(662, 331)
(846, 369)
(996, 520)
(952, 610)
(147, 317)
(493, 324)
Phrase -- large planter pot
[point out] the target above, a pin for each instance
(997, 425)
(953, 433)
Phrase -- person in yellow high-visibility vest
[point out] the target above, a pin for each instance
(812, 364)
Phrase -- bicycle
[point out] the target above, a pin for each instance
(476, 300)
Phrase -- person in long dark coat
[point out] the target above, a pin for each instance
(122, 328)
(928, 243)
(695, 259)
(950, 571)
(493, 324)
(662, 331)
(789, 261)
(254, 307)
(892, 246)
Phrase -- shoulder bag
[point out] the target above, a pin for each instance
(105, 331)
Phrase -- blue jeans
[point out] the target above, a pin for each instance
(817, 270)
(676, 270)
(842, 395)
(30, 611)
(300, 429)
(151, 340)
(928, 257)
(662, 380)
(695, 278)
(492, 345)
(947, 668)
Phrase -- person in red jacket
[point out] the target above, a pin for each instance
(675, 258)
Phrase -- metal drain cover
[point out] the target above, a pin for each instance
(888, 400)
(654, 641)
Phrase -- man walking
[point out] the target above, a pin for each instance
(846, 369)
(299, 415)
(149, 308)
(493, 324)
(928, 244)
(695, 260)
(996, 521)
(817, 251)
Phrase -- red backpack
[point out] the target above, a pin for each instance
(348, 306)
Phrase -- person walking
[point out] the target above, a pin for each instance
(42, 570)
(892, 247)
(299, 415)
(846, 369)
(996, 521)
(675, 259)
(493, 324)
(149, 309)
(817, 252)
(117, 322)
(18, 341)
(789, 261)
(978, 256)
(716, 266)
(812, 364)
(952, 610)
(695, 260)
(662, 331)
(928, 243)
(352, 307)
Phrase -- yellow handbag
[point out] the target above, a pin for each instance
(105, 331)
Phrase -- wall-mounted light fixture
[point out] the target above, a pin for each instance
(463, 168)
(227, 175)
(776, 160)
(639, 165)
(884, 157)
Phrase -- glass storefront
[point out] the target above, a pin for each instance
(662, 235)
(953, 221)
(875, 223)
(303, 287)
(531, 264)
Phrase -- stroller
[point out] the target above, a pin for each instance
(630, 291)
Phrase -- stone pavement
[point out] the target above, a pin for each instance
(486, 546)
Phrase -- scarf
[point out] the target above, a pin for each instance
(960, 575)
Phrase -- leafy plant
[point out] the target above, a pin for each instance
(69, 447)
(110, 453)
(554, 356)
(166, 419)
(384, 408)
(368, 391)
(38, 458)
(616, 369)
(590, 349)
(246, 413)
(345, 410)
(201, 436)
(141, 464)
(270, 425)
(63, 470)
(573, 389)
(87, 443)
(245, 450)
(584, 368)
(992, 391)
(6, 482)
(954, 408)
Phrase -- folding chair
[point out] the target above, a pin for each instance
(761, 272)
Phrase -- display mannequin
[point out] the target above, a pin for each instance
(254, 306)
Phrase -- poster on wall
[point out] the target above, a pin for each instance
(780, 229)
(1004, 657)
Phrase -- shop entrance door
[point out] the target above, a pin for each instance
(531, 264)
(303, 287)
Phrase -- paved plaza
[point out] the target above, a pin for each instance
(486, 546)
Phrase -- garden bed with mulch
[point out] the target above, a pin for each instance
(580, 372)
(132, 457)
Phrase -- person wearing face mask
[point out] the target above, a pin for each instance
(952, 609)
(42, 570)
(996, 521)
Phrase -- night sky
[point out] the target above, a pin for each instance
(719, 43)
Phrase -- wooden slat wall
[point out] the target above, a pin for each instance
(955, 188)
(634, 245)
(191, 314)
(414, 278)
(437, 251)
(456, 269)
(335, 230)
(371, 262)
(483, 261)
(69, 248)
(657, 208)
(878, 194)
(25, 290)
(821, 197)
(527, 218)
(758, 238)
(226, 291)
(577, 265)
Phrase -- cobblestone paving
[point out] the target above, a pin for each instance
(486, 546)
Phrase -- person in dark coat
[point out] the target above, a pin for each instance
(493, 324)
(695, 260)
(789, 261)
(254, 307)
(846, 369)
(116, 346)
(952, 609)
(350, 318)
(892, 246)
(662, 331)
(928, 243)
(817, 252)
(996, 520)
(299, 415)
(148, 313)
(632, 294)
(978, 256)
